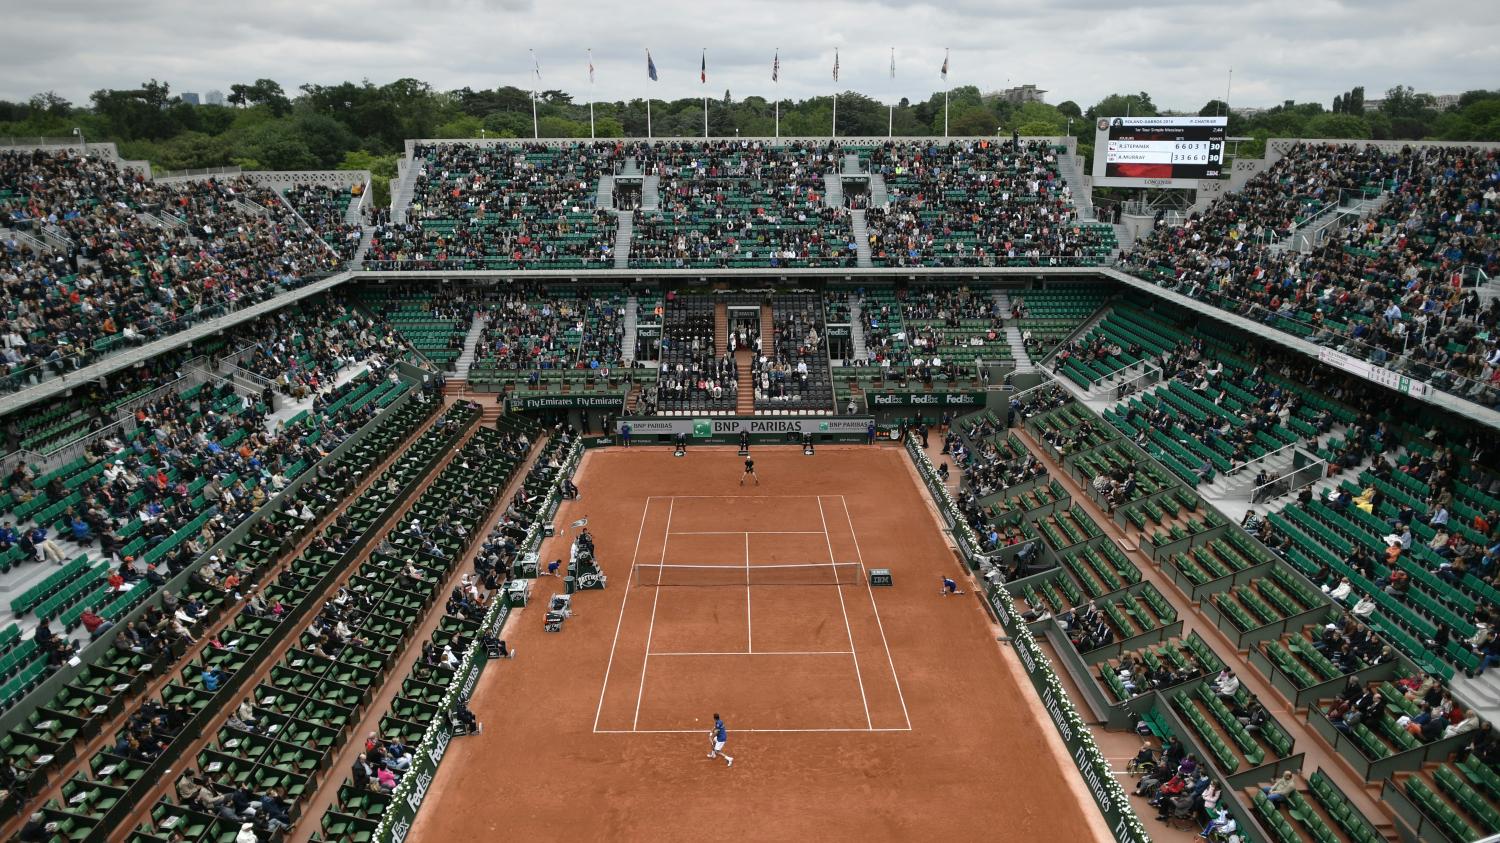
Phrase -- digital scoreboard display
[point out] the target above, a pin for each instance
(1158, 151)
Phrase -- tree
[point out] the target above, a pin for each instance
(1214, 108)
(1336, 126)
(1354, 103)
(1068, 108)
(1404, 103)
(1338, 104)
(50, 103)
(1121, 105)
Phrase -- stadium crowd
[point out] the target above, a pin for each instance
(1395, 288)
(138, 259)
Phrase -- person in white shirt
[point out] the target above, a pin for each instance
(1342, 590)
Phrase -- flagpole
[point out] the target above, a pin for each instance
(705, 116)
(703, 80)
(835, 115)
(648, 118)
(778, 115)
(592, 136)
(890, 117)
(945, 93)
(535, 131)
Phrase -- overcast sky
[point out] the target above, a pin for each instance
(1179, 51)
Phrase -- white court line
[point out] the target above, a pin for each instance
(747, 532)
(700, 731)
(888, 660)
(641, 691)
(768, 653)
(847, 629)
(705, 497)
(605, 687)
(749, 632)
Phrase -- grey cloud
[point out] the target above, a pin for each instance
(1179, 50)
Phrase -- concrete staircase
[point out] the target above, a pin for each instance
(466, 359)
(401, 199)
(651, 193)
(1124, 240)
(744, 402)
(1013, 335)
(630, 167)
(861, 236)
(365, 238)
(879, 197)
(604, 199)
(857, 328)
(624, 230)
(833, 191)
(632, 320)
(721, 329)
(1067, 167)
(851, 165)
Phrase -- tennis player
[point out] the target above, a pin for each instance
(949, 587)
(749, 472)
(719, 736)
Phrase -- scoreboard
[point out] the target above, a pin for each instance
(1158, 151)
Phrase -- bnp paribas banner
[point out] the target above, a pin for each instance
(925, 399)
(707, 428)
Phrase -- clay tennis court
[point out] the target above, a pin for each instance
(853, 712)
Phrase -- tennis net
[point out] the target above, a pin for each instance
(826, 573)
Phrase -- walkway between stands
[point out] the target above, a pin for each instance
(109, 731)
(287, 642)
(327, 792)
(1318, 754)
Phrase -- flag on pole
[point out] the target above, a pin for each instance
(536, 65)
(835, 64)
(893, 62)
(944, 71)
(650, 66)
(591, 67)
(776, 67)
(703, 68)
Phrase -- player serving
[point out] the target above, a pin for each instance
(719, 736)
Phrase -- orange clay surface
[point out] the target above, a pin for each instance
(854, 713)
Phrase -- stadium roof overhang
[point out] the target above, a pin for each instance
(49, 388)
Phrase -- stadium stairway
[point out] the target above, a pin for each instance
(629, 338)
(651, 193)
(745, 400)
(1067, 167)
(879, 198)
(401, 200)
(624, 230)
(630, 167)
(1013, 335)
(833, 191)
(851, 165)
(466, 359)
(721, 329)
(861, 237)
(605, 198)
(857, 329)
(767, 327)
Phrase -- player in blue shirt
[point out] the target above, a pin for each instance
(719, 736)
(949, 587)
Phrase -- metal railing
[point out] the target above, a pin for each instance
(1291, 481)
